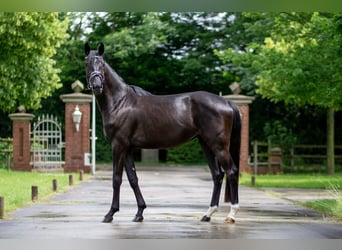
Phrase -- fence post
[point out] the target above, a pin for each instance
(71, 180)
(269, 163)
(292, 156)
(2, 207)
(54, 185)
(9, 152)
(81, 175)
(34, 190)
(255, 162)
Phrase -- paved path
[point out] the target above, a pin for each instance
(176, 201)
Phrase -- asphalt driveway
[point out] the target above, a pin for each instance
(176, 200)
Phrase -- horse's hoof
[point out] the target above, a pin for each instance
(229, 220)
(205, 218)
(107, 219)
(138, 219)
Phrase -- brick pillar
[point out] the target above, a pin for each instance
(243, 104)
(77, 143)
(21, 130)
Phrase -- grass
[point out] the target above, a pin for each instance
(328, 207)
(325, 206)
(310, 181)
(15, 187)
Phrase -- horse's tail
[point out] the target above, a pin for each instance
(235, 143)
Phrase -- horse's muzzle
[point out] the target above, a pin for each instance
(97, 91)
(96, 84)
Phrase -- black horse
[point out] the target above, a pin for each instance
(134, 118)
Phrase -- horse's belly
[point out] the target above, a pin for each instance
(166, 137)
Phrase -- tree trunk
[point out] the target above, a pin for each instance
(330, 141)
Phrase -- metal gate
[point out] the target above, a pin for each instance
(46, 146)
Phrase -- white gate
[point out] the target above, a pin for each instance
(47, 144)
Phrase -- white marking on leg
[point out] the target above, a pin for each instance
(211, 211)
(233, 211)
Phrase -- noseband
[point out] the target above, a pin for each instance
(95, 74)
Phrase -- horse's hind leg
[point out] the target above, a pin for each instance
(232, 174)
(133, 181)
(217, 175)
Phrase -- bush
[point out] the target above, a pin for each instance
(103, 151)
(187, 153)
(3, 155)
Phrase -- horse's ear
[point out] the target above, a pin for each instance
(101, 49)
(86, 49)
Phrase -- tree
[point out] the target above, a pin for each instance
(27, 68)
(161, 52)
(168, 52)
(179, 58)
(299, 63)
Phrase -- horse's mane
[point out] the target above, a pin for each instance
(137, 90)
(116, 76)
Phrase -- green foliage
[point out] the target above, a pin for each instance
(277, 133)
(103, 147)
(3, 155)
(324, 206)
(187, 153)
(170, 53)
(166, 52)
(27, 69)
(309, 181)
(162, 52)
(139, 39)
(329, 207)
(298, 63)
(337, 194)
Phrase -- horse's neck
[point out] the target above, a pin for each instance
(115, 83)
(114, 90)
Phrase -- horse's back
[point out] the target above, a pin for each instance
(208, 107)
(199, 105)
(198, 97)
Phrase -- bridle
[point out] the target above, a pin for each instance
(95, 74)
(98, 74)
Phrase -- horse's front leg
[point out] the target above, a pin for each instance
(133, 181)
(117, 180)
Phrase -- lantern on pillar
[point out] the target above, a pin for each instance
(76, 118)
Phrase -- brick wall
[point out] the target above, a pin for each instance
(244, 149)
(76, 143)
(21, 129)
(243, 102)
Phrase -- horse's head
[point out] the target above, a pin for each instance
(94, 68)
